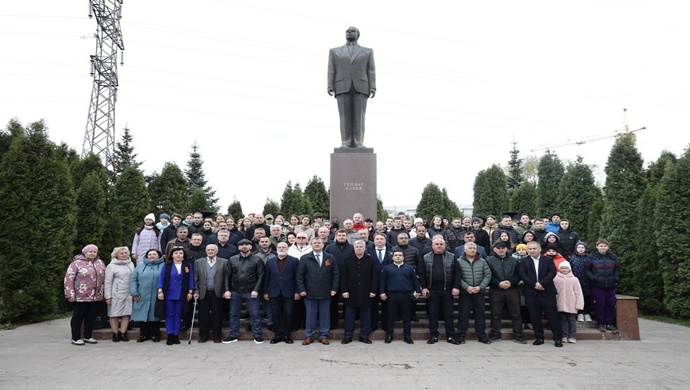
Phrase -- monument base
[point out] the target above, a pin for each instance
(353, 183)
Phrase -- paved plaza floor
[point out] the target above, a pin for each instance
(40, 356)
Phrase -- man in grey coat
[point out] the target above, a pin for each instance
(210, 284)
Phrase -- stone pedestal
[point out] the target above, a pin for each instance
(353, 183)
(626, 317)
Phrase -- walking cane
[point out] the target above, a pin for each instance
(191, 327)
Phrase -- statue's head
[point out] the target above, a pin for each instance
(352, 34)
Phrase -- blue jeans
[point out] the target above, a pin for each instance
(318, 311)
(252, 307)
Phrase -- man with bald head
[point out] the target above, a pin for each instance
(323, 234)
(352, 234)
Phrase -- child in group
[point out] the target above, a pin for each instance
(552, 251)
(520, 251)
(577, 262)
(569, 300)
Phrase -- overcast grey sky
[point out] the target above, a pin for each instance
(457, 83)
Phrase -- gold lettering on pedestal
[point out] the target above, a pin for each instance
(353, 186)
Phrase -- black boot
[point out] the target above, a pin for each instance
(176, 339)
(169, 340)
(155, 331)
(123, 336)
(143, 332)
(116, 337)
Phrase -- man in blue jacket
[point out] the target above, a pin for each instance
(397, 284)
(280, 286)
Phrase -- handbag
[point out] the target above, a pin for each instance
(159, 309)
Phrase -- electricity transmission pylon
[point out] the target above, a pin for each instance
(99, 136)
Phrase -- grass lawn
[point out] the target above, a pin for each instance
(666, 319)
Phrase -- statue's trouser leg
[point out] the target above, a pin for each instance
(359, 110)
(345, 111)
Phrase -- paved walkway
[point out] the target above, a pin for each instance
(40, 356)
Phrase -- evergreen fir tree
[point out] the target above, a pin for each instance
(14, 129)
(550, 172)
(431, 203)
(625, 183)
(576, 193)
(316, 192)
(672, 233)
(124, 155)
(271, 207)
(89, 164)
(451, 209)
(196, 178)
(490, 191)
(515, 177)
(381, 213)
(596, 218)
(235, 209)
(288, 204)
(168, 191)
(91, 212)
(524, 199)
(302, 204)
(37, 195)
(646, 265)
(130, 204)
(198, 201)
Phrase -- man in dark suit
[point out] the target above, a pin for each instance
(211, 284)
(381, 252)
(537, 272)
(352, 78)
(341, 249)
(280, 286)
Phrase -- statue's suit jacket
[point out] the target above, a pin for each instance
(345, 71)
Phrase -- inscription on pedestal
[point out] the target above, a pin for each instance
(353, 184)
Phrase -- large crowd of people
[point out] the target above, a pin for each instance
(295, 271)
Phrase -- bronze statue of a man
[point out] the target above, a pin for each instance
(352, 78)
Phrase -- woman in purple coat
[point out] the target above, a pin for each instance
(146, 238)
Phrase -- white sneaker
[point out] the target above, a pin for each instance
(90, 340)
(588, 318)
(572, 340)
(564, 340)
(78, 342)
(580, 318)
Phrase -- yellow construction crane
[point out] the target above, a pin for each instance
(579, 141)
